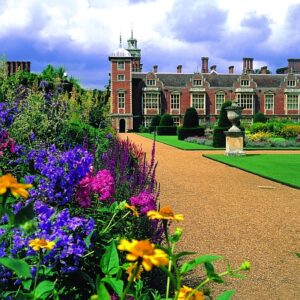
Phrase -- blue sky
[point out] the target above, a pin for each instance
(81, 34)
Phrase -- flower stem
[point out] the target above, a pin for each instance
(38, 268)
(134, 273)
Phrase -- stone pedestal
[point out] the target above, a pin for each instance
(234, 143)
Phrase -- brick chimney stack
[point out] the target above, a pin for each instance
(179, 68)
(231, 69)
(155, 67)
(264, 70)
(213, 68)
(248, 65)
(294, 65)
(204, 68)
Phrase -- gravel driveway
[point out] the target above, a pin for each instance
(234, 214)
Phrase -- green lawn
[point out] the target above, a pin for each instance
(283, 168)
(173, 141)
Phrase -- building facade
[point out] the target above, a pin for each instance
(137, 96)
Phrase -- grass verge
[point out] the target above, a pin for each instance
(173, 141)
(282, 168)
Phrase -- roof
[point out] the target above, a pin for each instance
(181, 80)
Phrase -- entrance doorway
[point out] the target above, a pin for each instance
(122, 126)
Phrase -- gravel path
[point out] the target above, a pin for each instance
(234, 214)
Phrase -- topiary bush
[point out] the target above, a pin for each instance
(166, 120)
(166, 130)
(259, 117)
(184, 133)
(223, 120)
(191, 118)
(154, 122)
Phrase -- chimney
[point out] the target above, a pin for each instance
(264, 70)
(294, 65)
(179, 68)
(155, 68)
(248, 65)
(231, 69)
(213, 68)
(204, 65)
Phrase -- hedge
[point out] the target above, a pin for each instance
(184, 133)
(166, 130)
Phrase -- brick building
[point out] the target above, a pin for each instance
(137, 96)
(13, 66)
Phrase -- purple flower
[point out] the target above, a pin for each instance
(145, 201)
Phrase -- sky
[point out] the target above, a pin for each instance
(81, 34)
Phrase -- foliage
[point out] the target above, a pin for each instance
(166, 120)
(183, 132)
(191, 118)
(166, 130)
(155, 120)
(290, 131)
(219, 138)
(259, 136)
(223, 120)
(259, 117)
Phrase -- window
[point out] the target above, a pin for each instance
(151, 100)
(151, 82)
(175, 101)
(245, 82)
(269, 102)
(176, 121)
(291, 83)
(121, 77)
(245, 101)
(292, 102)
(197, 82)
(220, 98)
(121, 65)
(147, 121)
(121, 100)
(198, 101)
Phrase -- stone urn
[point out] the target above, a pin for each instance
(234, 115)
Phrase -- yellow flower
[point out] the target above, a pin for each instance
(144, 251)
(38, 244)
(129, 271)
(185, 291)
(17, 189)
(165, 213)
(133, 209)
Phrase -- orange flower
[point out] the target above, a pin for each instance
(185, 291)
(133, 209)
(129, 271)
(38, 244)
(165, 213)
(146, 251)
(17, 189)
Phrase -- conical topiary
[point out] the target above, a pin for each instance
(223, 120)
(155, 120)
(166, 120)
(191, 118)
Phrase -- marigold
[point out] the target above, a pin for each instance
(17, 189)
(145, 251)
(165, 213)
(130, 269)
(133, 209)
(185, 291)
(38, 244)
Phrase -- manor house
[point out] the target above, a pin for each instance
(137, 96)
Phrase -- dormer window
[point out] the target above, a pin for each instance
(197, 82)
(151, 82)
(245, 82)
(121, 65)
(291, 83)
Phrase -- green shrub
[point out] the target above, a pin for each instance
(219, 138)
(166, 130)
(290, 131)
(191, 118)
(184, 133)
(259, 118)
(154, 122)
(261, 127)
(166, 120)
(223, 120)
